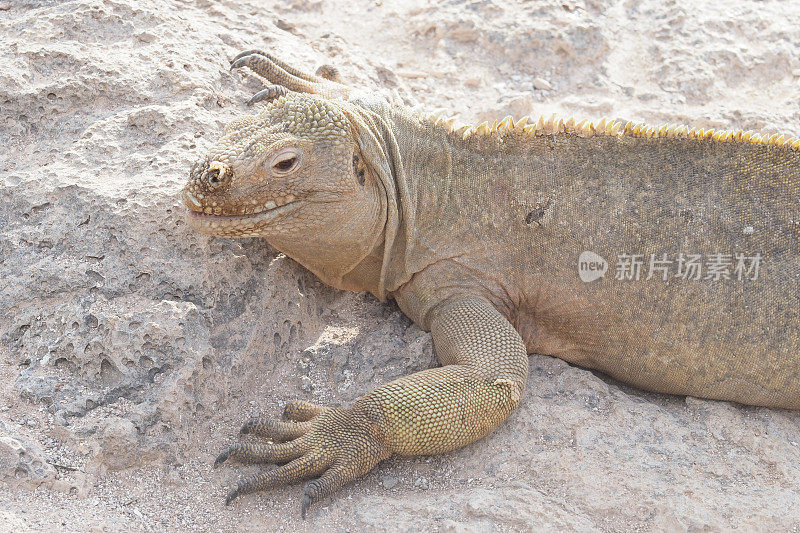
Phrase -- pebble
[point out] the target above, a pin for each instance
(542, 84)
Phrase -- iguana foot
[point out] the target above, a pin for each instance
(283, 78)
(338, 445)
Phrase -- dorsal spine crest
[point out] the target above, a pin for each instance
(555, 125)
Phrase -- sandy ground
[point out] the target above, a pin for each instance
(131, 349)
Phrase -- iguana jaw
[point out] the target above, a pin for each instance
(246, 225)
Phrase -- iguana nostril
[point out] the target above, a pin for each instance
(217, 173)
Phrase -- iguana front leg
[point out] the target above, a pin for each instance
(284, 78)
(430, 412)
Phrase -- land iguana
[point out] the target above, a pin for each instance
(666, 257)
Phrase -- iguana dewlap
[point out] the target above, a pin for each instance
(666, 257)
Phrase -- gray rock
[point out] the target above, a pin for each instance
(22, 462)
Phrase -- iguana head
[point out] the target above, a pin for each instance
(293, 174)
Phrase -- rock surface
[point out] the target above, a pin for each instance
(132, 349)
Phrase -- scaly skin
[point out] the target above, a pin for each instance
(476, 232)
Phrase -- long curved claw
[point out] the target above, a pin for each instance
(304, 505)
(239, 62)
(221, 458)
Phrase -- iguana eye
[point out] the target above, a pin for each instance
(286, 164)
(285, 161)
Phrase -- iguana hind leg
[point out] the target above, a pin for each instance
(430, 412)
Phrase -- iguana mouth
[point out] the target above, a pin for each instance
(204, 217)
(196, 207)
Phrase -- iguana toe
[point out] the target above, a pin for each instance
(329, 72)
(269, 94)
(301, 410)
(245, 452)
(309, 465)
(249, 52)
(275, 430)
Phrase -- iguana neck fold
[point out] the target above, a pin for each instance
(379, 147)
